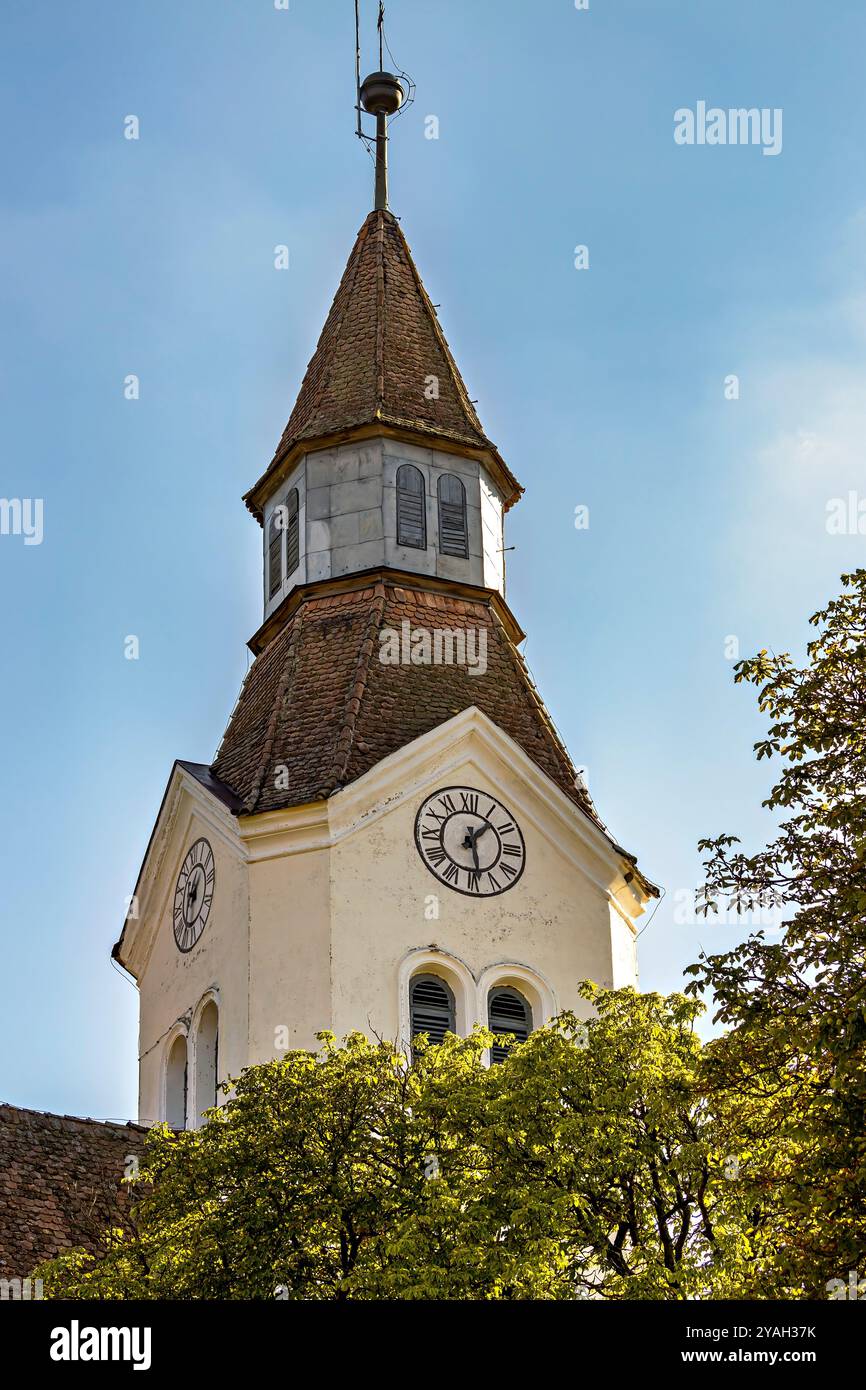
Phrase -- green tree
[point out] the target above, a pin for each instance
(588, 1164)
(793, 1061)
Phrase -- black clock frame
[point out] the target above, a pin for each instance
(185, 950)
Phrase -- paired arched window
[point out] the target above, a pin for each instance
(206, 1050)
(431, 1007)
(175, 1084)
(192, 1068)
(507, 1012)
(284, 518)
(411, 508)
(453, 532)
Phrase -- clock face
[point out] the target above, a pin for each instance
(193, 895)
(470, 841)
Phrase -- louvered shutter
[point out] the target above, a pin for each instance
(275, 555)
(508, 1012)
(293, 539)
(453, 537)
(411, 508)
(431, 1007)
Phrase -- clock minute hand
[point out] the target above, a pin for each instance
(470, 841)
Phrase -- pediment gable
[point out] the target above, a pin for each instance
(469, 744)
(192, 795)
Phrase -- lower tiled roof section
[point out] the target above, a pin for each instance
(60, 1184)
(319, 708)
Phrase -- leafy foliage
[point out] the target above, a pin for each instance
(613, 1157)
(796, 1007)
(587, 1164)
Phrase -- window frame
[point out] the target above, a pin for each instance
(292, 504)
(427, 977)
(451, 544)
(405, 495)
(284, 521)
(169, 1095)
(514, 993)
(275, 539)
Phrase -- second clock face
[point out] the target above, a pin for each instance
(470, 841)
(193, 895)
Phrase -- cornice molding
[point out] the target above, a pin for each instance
(365, 579)
(296, 830)
(133, 948)
(280, 469)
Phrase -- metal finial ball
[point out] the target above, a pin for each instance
(382, 94)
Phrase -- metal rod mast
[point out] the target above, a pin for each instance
(381, 201)
(381, 96)
(358, 63)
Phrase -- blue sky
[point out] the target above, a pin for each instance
(603, 387)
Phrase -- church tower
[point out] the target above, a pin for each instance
(392, 837)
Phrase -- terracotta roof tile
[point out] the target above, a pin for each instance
(380, 346)
(319, 709)
(59, 1184)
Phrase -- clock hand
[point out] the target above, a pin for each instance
(470, 840)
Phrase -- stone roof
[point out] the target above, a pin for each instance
(318, 708)
(60, 1184)
(380, 346)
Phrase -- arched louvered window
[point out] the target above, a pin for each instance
(431, 1007)
(453, 533)
(507, 1012)
(411, 507)
(284, 518)
(293, 538)
(275, 553)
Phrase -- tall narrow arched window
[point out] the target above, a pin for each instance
(507, 1012)
(206, 1050)
(411, 507)
(275, 553)
(293, 539)
(175, 1084)
(431, 1007)
(453, 532)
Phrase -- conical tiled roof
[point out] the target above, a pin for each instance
(379, 351)
(319, 708)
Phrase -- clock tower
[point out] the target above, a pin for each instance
(392, 837)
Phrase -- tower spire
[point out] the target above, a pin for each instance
(382, 95)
